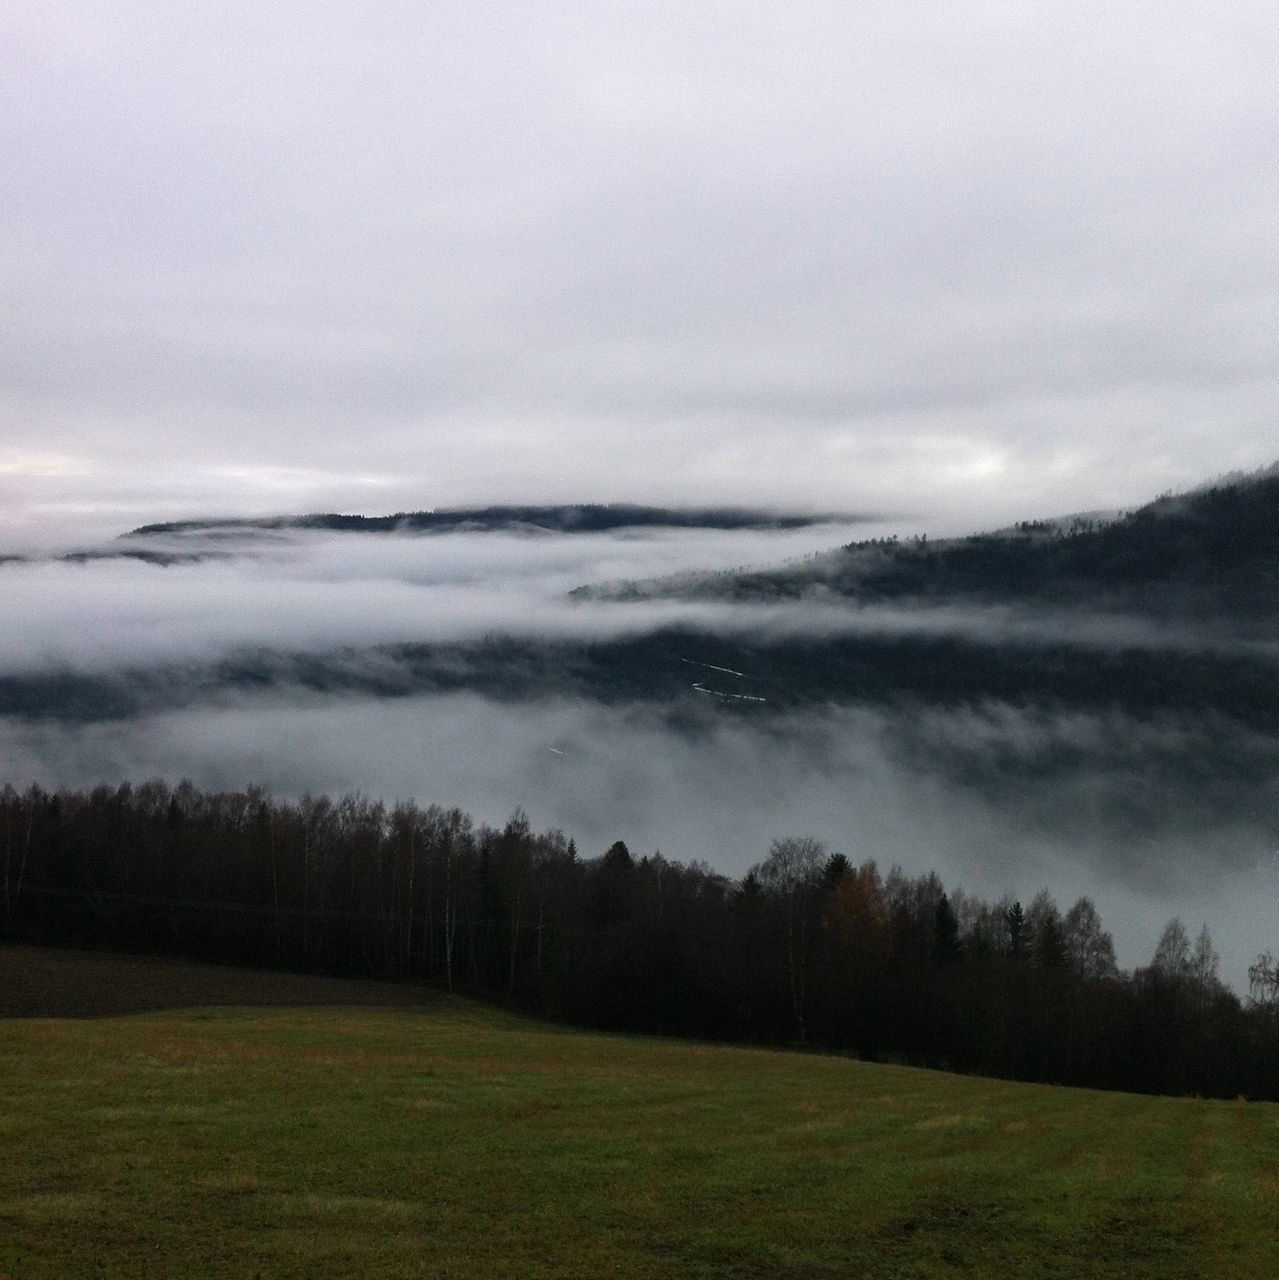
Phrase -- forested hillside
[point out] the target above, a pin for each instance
(1204, 552)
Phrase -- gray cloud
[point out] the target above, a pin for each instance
(320, 591)
(961, 257)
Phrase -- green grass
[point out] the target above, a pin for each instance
(459, 1142)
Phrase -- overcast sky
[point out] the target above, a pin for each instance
(994, 259)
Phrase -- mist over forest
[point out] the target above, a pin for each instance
(1085, 706)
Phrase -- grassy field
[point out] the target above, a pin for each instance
(448, 1140)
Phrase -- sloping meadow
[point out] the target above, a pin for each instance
(454, 1140)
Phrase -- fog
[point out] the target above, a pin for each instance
(307, 591)
(858, 779)
(1140, 814)
(315, 592)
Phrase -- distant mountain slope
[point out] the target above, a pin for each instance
(682, 668)
(1207, 551)
(571, 518)
(1210, 558)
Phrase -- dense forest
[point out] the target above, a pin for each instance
(1202, 553)
(807, 949)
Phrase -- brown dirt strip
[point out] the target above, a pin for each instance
(43, 982)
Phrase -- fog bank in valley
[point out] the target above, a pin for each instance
(900, 790)
(295, 592)
(1155, 816)
(299, 591)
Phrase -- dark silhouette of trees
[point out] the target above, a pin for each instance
(1263, 983)
(807, 948)
(1018, 929)
(946, 951)
(1090, 950)
(793, 875)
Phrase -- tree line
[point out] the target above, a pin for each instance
(807, 949)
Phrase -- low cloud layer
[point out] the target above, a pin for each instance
(870, 784)
(319, 592)
(308, 592)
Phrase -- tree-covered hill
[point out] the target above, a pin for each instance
(1203, 552)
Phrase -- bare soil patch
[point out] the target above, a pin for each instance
(45, 982)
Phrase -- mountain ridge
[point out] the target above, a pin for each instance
(586, 517)
(1212, 548)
